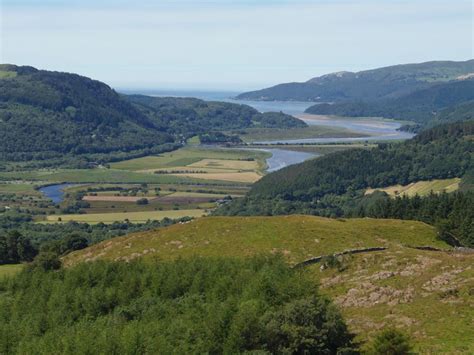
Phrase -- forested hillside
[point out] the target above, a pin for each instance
(440, 103)
(387, 82)
(461, 112)
(189, 116)
(46, 114)
(189, 306)
(442, 152)
(333, 185)
(51, 115)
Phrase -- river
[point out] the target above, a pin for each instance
(375, 129)
(282, 158)
(55, 192)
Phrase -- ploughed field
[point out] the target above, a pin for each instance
(427, 293)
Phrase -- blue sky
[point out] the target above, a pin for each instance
(229, 44)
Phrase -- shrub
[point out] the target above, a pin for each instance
(47, 261)
(142, 201)
(391, 342)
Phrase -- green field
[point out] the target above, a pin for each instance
(421, 188)
(208, 165)
(136, 217)
(166, 189)
(268, 134)
(10, 270)
(141, 170)
(18, 188)
(428, 294)
(94, 176)
(189, 170)
(188, 155)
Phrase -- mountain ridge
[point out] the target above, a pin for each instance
(389, 81)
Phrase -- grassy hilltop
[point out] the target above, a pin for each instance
(297, 237)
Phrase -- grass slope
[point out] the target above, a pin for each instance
(297, 237)
(426, 293)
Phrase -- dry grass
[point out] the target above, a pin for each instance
(245, 177)
(421, 188)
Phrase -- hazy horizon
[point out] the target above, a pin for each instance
(229, 45)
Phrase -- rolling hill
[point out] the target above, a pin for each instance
(50, 115)
(425, 292)
(297, 237)
(387, 82)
